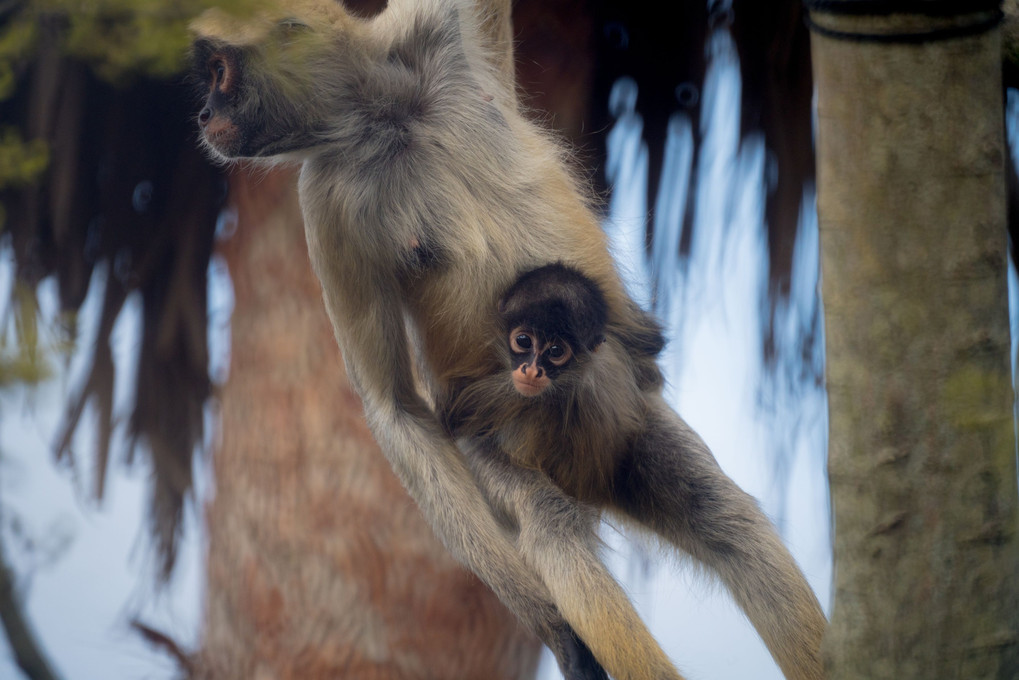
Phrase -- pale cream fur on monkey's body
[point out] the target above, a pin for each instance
(425, 193)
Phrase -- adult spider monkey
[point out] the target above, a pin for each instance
(425, 193)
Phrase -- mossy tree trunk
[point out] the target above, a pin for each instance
(911, 196)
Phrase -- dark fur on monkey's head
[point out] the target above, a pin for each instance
(561, 301)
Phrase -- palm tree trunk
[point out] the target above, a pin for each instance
(320, 566)
(911, 197)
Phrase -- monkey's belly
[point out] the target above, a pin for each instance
(584, 470)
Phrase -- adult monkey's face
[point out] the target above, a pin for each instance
(263, 77)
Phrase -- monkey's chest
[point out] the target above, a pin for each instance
(582, 458)
(454, 313)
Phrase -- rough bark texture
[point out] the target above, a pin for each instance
(320, 566)
(922, 450)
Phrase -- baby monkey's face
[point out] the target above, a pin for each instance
(537, 359)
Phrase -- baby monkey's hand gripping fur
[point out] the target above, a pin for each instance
(425, 194)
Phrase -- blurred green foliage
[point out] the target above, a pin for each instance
(119, 39)
(16, 41)
(23, 352)
(21, 162)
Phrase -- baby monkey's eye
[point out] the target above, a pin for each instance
(521, 342)
(559, 353)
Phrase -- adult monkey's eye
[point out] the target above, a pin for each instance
(218, 69)
(291, 24)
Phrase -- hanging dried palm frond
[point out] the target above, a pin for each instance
(123, 191)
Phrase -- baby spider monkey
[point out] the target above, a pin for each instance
(566, 405)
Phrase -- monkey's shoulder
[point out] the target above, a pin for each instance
(639, 331)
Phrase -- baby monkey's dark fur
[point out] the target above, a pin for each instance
(561, 302)
(581, 424)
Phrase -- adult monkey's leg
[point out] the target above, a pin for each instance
(673, 485)
(558, 538)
